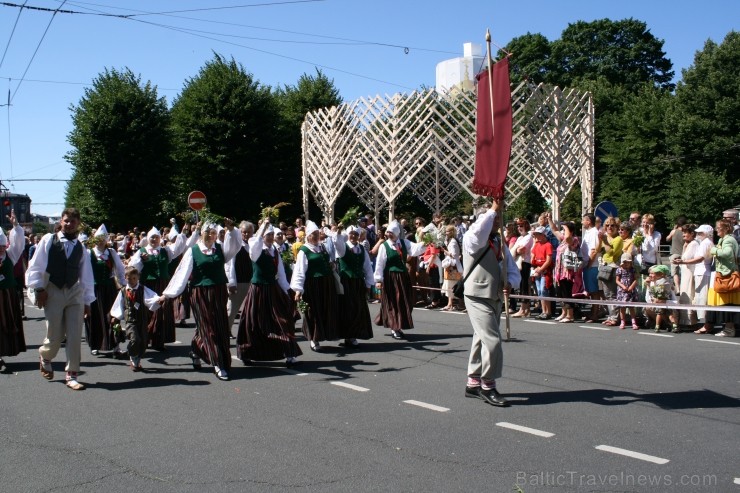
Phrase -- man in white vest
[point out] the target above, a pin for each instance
(483, 252)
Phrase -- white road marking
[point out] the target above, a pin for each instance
(178, 342)
(654, 334)
(719, 342)
(427, 406)
(350, 386)
(593, 328)
(292, 372)
(525, 429)
(634, 455)
(737, 481)
(540, 322)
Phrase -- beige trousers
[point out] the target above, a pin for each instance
(64, 312)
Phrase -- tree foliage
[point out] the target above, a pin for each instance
(224, 124)
(120, 151)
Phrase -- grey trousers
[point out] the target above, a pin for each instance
(486, 353)
(235, 301)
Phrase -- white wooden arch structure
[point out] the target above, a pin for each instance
(425, 141)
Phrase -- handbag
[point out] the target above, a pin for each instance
(606, 273)
(571, 260)
(458, 290)
(727, 284)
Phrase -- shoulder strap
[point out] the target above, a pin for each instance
(477, 261)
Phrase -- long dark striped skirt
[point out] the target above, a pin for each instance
(354, 314)
(211, 341)
(396, 302)
(266, 325)
(320, 319)
(12, 340)
(181, 305)
(161, 325)
(98, 329)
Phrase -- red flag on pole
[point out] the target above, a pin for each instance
(493, 135)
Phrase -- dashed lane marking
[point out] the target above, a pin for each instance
(540, 322)
(525, 429)
(350, 386)
(719, 342)
(593, 328)
(630, 453)
(427, 406)
(654, 334)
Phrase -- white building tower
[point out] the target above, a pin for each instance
(459, 73)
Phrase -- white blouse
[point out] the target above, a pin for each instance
(151, 300)
(412, 250)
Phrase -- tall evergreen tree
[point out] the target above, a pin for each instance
(120, 151)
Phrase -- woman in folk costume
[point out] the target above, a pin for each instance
(392, 278)
(153, 261)
(266, 326)
(12, 341)
(205, 261)
(356, 273)
(107, 268)
(314, 282)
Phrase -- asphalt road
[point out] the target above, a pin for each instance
(594, 409)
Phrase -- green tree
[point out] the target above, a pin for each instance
(703, 124)
(623, 52)
(224, 124)
(527, 205)
(311, 93)
(530, 60)
(632, 155)
(120, 151)
(701, 195)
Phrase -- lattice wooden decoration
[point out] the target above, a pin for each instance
(426, 141)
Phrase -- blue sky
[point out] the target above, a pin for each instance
(358, 44)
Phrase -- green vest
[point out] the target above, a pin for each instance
(394, 261)
(155, 266)
(208, 270)
(101, 268)
(6, 271)
(352, 265)
(318, 263)
(264, 269)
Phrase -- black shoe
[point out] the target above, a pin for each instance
(316, 347)
(196, 361)
(472, 392)
(223, 378)
(248, 362)
(292, 364)
(181, 323)
(2, 363)
(493, 398)
(397, 334)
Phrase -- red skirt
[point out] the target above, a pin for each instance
(161, 325)
(320, 319)
(266, 325)
(98, 330)
(396, 302)
(12, 341)
(354, 314)
(211, 340)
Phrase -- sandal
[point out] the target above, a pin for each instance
(610, 323)
(703, 330)
(565, 320)
(446, 309)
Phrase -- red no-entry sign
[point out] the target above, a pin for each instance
(197, 200)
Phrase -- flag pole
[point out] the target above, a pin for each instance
(504, 246)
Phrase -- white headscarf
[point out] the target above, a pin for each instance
(101, 231)
(311, 227)
(352, 229)
(269, 229)
(3, 239)
(153, 232)
(206, 227)
(395, 228)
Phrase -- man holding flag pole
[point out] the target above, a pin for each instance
(490, 270)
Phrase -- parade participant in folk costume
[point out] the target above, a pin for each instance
(107, 268)
(485, 288)
(153, 261)
(266, 325)
(356, 273)
(205, 261)
(61, 276)
(239, 273)
(130, 307)
(314, 283)
(12, 341)
(392, 278)
(181, 304)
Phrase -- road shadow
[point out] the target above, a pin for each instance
(685, 400)
(138, 382)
